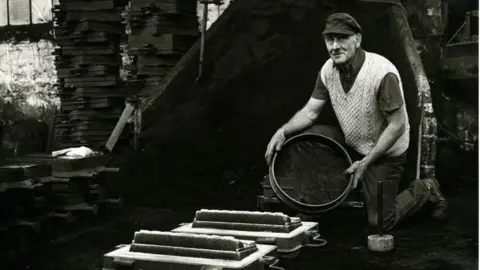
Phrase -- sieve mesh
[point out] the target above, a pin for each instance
(311, 171)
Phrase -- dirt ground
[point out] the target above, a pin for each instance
(421, 243)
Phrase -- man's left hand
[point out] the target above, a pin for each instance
(358, 170)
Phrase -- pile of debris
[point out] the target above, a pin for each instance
(88, 59)
(161, 33)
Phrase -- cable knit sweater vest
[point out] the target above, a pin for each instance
(357, 111)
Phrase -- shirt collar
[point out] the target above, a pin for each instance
(353, 65)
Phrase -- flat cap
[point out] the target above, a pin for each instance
(341, 23)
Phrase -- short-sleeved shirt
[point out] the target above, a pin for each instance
(389, 95)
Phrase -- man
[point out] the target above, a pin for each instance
(366, 93)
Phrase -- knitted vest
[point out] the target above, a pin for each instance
(357, 111)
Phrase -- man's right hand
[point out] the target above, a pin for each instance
(275, 144)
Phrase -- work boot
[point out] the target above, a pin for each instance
(436, 198)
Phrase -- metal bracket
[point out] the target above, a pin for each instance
(271, 262)
(313, 239)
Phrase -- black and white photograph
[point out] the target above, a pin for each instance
(239, 135)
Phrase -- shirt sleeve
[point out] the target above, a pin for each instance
(320, 91)
(389, 95)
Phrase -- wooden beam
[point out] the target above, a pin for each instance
(127, 112)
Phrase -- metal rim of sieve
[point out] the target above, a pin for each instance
(303, 207)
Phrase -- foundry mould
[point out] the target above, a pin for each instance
(167, 250)
(245, 221)
(289, 234)
(203, 246)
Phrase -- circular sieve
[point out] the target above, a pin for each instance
(308, 173)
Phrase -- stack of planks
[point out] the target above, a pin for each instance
(38, 191)
(88, 59)
(161, 33)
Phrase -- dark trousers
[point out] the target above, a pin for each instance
(396, 207)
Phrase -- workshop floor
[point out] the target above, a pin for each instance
(421, 243)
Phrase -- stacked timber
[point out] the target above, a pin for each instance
(38, 191)
(88, 36)
(161, 33)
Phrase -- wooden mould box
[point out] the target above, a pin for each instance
(174, 251)
(289, 234)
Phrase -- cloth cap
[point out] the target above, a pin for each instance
(341, 23)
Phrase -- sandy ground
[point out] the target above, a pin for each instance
(421, 243)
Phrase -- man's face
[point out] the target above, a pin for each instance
(342, 47)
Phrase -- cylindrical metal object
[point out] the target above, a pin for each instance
(381, 243)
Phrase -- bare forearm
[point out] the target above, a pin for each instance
(388, 138)
(301, 120)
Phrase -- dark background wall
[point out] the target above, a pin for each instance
(208, 140)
